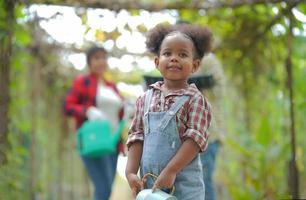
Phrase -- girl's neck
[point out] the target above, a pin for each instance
(174, 85)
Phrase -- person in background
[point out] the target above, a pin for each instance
(211, 66)
(92, 97)
(171, 121)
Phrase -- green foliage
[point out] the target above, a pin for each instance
(300, 48)
(13, 175)
(3, 25)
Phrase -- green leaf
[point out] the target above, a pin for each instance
(22, 36)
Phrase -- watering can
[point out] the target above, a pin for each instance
(147, 194)
(95, 138)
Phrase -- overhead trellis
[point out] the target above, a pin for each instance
(152, 5)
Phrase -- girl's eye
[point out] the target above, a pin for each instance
(183, 55)
(166, 53)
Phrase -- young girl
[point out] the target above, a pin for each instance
(170, 125)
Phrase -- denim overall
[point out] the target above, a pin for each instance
(161, 142)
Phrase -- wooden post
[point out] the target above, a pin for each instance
(5, 62)
(34, 75)
(293, 179)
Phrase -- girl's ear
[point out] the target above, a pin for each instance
(195, 65)
(156, 61)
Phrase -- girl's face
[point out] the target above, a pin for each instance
(98, 63)
(176, 59)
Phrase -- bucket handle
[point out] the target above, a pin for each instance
(155, 177)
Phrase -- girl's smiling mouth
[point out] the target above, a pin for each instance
(174, 67)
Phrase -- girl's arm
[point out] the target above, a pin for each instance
(134, 156)
(133, 162)
(182, 158)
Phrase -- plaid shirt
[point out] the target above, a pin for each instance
(193, 119)
(82, 95)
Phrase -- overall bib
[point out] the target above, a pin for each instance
(161, 142)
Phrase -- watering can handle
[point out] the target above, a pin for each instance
(155, 177)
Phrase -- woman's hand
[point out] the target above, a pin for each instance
(93, 113)
(164, 180)
(136, 184)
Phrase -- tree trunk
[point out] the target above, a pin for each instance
(34, 76)
(293, 179)
(5, 55)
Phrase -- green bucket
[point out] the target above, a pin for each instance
(95, 138)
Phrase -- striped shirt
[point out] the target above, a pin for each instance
(193, 119)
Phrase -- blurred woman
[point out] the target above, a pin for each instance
(92, 97)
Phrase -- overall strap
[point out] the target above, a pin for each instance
(146, 109)
(173, 110)
(148, 101)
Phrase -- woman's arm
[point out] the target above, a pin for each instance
(72, 106)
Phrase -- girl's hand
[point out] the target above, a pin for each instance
(136, 184)
(164, 180)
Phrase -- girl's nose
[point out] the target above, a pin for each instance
(173, 58)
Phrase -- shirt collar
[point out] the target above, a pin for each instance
(190, 91)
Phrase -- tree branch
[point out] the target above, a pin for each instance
(156, 6)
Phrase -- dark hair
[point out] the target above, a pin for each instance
(201, 37)
(92, 51)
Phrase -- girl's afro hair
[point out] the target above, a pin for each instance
(201, 37)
